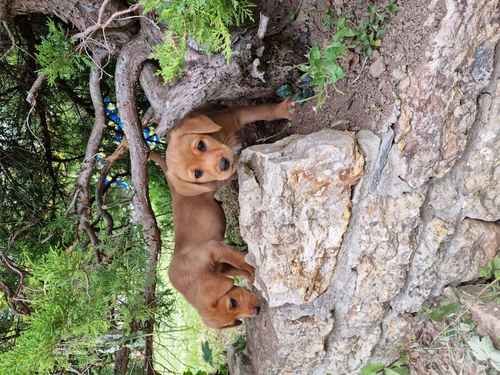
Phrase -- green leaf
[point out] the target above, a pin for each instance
(496, 262)
(240, 343)
(392, 7)
(223, 370)
(315, 54)
(486, 271)
(207, 353)
(397, 371)
(372, 368)
(444, 311)
(491, 269)
(335, 73)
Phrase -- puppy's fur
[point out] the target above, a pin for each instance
(202, 265)
(200, 154)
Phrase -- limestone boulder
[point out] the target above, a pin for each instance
(295, 205)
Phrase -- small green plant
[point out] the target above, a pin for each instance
(57, 57)
(370, 32)
(400, 367)
(328, 19)
(492, 269)
(170, 55)
(323, 64)
(240, 343)
(221, 370)
(207, 353)
(208, 22)
(444, 311)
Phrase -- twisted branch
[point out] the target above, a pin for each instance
(100, 25)
(128, 68)
(83, 195)
(14, 299)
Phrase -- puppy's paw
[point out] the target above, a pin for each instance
(286, 109)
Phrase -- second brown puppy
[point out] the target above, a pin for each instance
(203, 265)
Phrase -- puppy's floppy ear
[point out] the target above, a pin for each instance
(199, 124)
(189, 189)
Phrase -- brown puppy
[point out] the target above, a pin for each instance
(202, 265)
(200, 154)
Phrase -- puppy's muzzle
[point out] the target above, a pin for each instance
(224, 164)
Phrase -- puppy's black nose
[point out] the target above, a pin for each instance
(257, 309)
(224, 164)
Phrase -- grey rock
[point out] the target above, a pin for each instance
(482, 68)
(307, 180)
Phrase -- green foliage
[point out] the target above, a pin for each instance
(207, 353)
(208, 22)
(324, 64)
(328, 19)
(57, 57)
(443, 311)
(240, 343)
(492, 269)
(370, 32)
(400, 367)
(221, 370)
(170, 55)
(372, 368)
(71, 297)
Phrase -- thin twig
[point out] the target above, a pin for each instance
(100, 25)
(33, 92)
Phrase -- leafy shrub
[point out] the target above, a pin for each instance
(208, 22)
(72, 298)
(370, 32)
(57, 56)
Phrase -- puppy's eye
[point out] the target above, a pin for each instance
(201, 146)
(198, 173)
(233, 303)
